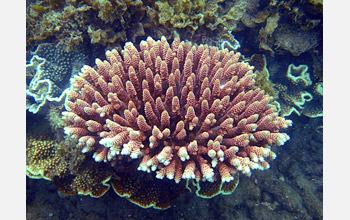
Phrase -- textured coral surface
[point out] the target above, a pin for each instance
(112, 22)
(299, 94)
(188, 111)
(48, 73)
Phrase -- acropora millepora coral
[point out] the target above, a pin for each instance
(185, 111)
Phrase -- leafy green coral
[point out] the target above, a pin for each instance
(73, 22)
(181, 14)
(111, 22)
(66, 24)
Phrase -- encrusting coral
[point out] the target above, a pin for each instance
(42, 159)
(298, 95)
(314, 108)
(51, 160)
(187, 111)
(48, 74)
(74, 174)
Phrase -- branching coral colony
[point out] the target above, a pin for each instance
(190, 113)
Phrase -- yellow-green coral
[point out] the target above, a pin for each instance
(99, 36)
(316, 2)
(298, 75)
(55, 118)
(64, 22)
(105, 10)
(43, 159)
(48, 159)
(74, 174)
(109, 11)
(264, 33)
(181, 14)
(111, 22)
(89, 179)
(224, 16)
(209, 190)
(262, 79)
(71, 23)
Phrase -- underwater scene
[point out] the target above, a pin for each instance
(204, 109)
